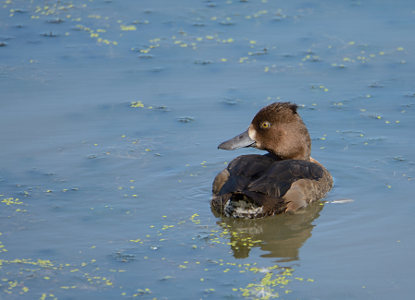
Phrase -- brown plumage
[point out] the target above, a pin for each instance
(284, 180)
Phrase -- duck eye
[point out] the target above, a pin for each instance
(265, 125)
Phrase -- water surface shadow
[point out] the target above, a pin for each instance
(279, 236)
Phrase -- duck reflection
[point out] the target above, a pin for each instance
(280, 236)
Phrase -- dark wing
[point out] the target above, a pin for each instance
(275, 185)
(280, 175)
(243, 170)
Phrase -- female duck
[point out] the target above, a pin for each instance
(285, 179)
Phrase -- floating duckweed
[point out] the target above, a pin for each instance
(136, 104)
(194, 220)
(167, 227)
(11, 201)
(40, 262)
(243, 59)
(128, 27)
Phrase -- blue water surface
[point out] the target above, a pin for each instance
(110, 115)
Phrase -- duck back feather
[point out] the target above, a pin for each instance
(255, 186)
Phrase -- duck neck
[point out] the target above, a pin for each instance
(280, 157)
(293, 142)
(274, 156)
(301, 151)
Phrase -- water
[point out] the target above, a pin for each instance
(110, 115)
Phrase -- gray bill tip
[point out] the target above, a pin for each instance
(239, 141)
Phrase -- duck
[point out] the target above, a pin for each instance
(284, 180)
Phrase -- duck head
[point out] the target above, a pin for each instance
(278, 129)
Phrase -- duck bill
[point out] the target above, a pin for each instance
(239, 141)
